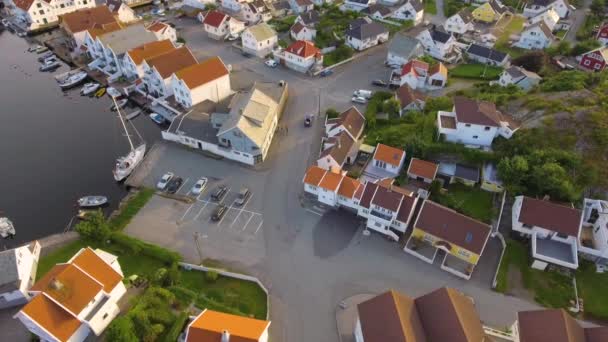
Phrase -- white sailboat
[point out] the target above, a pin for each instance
(7, 229)
(125, 165)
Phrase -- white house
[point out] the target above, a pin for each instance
(200, 4)
(402, 49)
(519, 76)
(422, 170)
(163, 31)
(205, 327)
(219, 25)
(377, 11)
(233, 6)
(302, 32)
(310, 18)
(77, 23)
(207, 80)
(259, 39)
(460, 22)
(301, 6)
(593, 241)
(410, 99)
(411, 10)
(134, 58)
(437, 43)
(337, 151)
(17, 274)
(417, 74)
(158, 71)
(121, 11)
(486, 55)
(535, 37)
(475, 123)
(361, 36)
(389, 159)
(549, 16)
(351, 121)
(535, 7)
(553, 229)
(75, 298)
(356, 5)
(300, 56)
(256, 11)
(40, 14)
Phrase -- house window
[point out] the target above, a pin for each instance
(105, 316)
(62, 6)
(475, 137)
(487, 128)
(467, 125)
(39, 5)
(587, 62)
(41, 12)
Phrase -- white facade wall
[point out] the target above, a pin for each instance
(167, 33)
(304, 34)
(260, 48)
(215, 91)
(242, 157)
(358, 331)
(388, 167)
(27, 261)
(361, 45)
(455, 24)
(157, 85)
(328, 163)
(559, 6)
(533, 39)
(394, 59)
(231, 5)
(80, 334)
(130, 69)
(328, 197)
(407, 12)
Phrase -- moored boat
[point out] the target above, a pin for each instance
(125, 165)
(89, 88)
(7, 229)
(133, 114)
(49, 65)
(44, 56)
(92, 201)
(159, 119)
(118, 104)
(41, 49)
(73, 80)
(100, 92)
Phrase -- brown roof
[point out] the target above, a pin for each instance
(202, 73)
(390, 316)
(448, 121)
(476, 112)
(407, 95)
(353, 121)
(23, 4)
(360, 190)
(447, 315)
(314, 175)
(172, 61)
(423, 168)
(304, 49)
(389, 154)
(549, 325)
(52, 317)
(215, 18)
(297, 27)
(87, 18)
(438, 68)
(150, 50)
(88, 261)
(406, 208)
(339, 151)
(106, 28)
(330, 181)
(453, 227)
(368, 194)
(556, 217)
(209, 326)
(348, 187)
(157, 26)
(387, 199)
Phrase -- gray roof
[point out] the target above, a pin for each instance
(543, 27)
(9, 274)
(466, 15)
(467, 172)
(515, 72)
(367, 30)
(405, 46)
(485, 52)
(440, 35)
(129, 37)
(417, 5)
(498, 7)
(383, 10)
(310, 17)
(196, 123)
(281, 5)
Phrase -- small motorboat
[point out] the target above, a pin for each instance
(44, 56)
(7, 229)
(159, 119)
(92, 201)
(33, 48)
(89, 88)
(100, 92)
(41, 49)
(119, 104)
(73, 80)
(49, 65)
(133, 114)
(113, 92)
(84, 214)
(5, 22)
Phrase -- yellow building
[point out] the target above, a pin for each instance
(489, 12)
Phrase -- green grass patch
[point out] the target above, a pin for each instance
(131, 208)
(515, 256)
(470, 201)
(561, 34)
(515, 26)
(60, 255)
(592, 288)
(283, 24)
(430, 6)
(476, 71)
(340, 54)
(398, 25)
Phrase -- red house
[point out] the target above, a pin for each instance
(595, 60)
(602, 34)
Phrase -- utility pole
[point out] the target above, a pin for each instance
(198, 247)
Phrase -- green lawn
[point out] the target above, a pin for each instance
(283, 24)
(515, 26)
(430, 7)
(467, 200)
(392, 29)
(592, 288)
(476, 71)
(561, 34)
(120, 221)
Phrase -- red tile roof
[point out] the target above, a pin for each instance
(348, 187)
(87, 18)
(314, 175)
(304, 49)
(412, 65)
(215, 18)
(552, 216)
(331, 181)
(389, 154)
(423, 168)
(202, 73)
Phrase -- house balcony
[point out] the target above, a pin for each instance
(446, 122)
(556, 252)
(457, 266)
(421, 249)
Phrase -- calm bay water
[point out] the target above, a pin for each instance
(54, 147)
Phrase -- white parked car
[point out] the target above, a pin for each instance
(363, 93)
(164, 180)
(359, 99)
(271, 63)
(199, 186)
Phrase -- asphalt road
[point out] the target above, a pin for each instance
(578, 18)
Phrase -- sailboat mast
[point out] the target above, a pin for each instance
(122, 121)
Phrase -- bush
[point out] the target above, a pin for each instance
(95, 228)
(177, 327)
(131, 208)
(332, 113)
(211, 276)
(532, 61)
(565, 80)
(282, 43)
(584, 46)
(181, 40)
(137, 246)
(121, 330)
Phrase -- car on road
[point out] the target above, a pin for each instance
(379, 83)
(219, 212)
(174, 185)
(363, 93)
(308, 121)
(199, 186)
(219, 193)
(359, 99)
(232, 37)
(246, 55)
(326, 73)
(162, 183)
(271, 63)
(244, 195)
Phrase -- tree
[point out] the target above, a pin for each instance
(584, 46)
(121, 330)
(532, 61)
(95, 227)
(552, 179)
(513, 172)
(435, 104)
(391, 107)
(332, 113)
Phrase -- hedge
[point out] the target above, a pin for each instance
(136, 246)
(177, 327)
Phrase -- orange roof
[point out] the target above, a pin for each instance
(423, 168)
(149, 50)
(389, 154)
(313, 175)
(303, 48)
(209, 326)
(348, 187)
(438, 68)
(331, 181)
(87, 18)
(157, 26)
(56, 320)
(73, 288)
(172, 61)
(42, 283)
(103, 29)
(88, 261)
(202, 73)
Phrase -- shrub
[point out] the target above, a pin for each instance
(121, 330)
(332, 113)
(584, 46)
(153, 251)
(95, 227)
(177, 327)
(532, 61)
(565, 80)
(181, 40)
(211, 276)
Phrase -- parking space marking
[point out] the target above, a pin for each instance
(314, 212)
(223, 217)
(259, 226)
(184, 183)
(245, 226)
(241, 209)
(187, 211)
(200, 211)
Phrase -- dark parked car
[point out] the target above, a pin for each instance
(219, 212)
(326, 73)
(244, 195)
(379, 83)
(219, 193)
(308, 121)
(174, 185)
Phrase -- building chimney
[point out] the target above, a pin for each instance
(56, 285)
(225, 336)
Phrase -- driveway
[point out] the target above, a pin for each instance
(578, 18)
